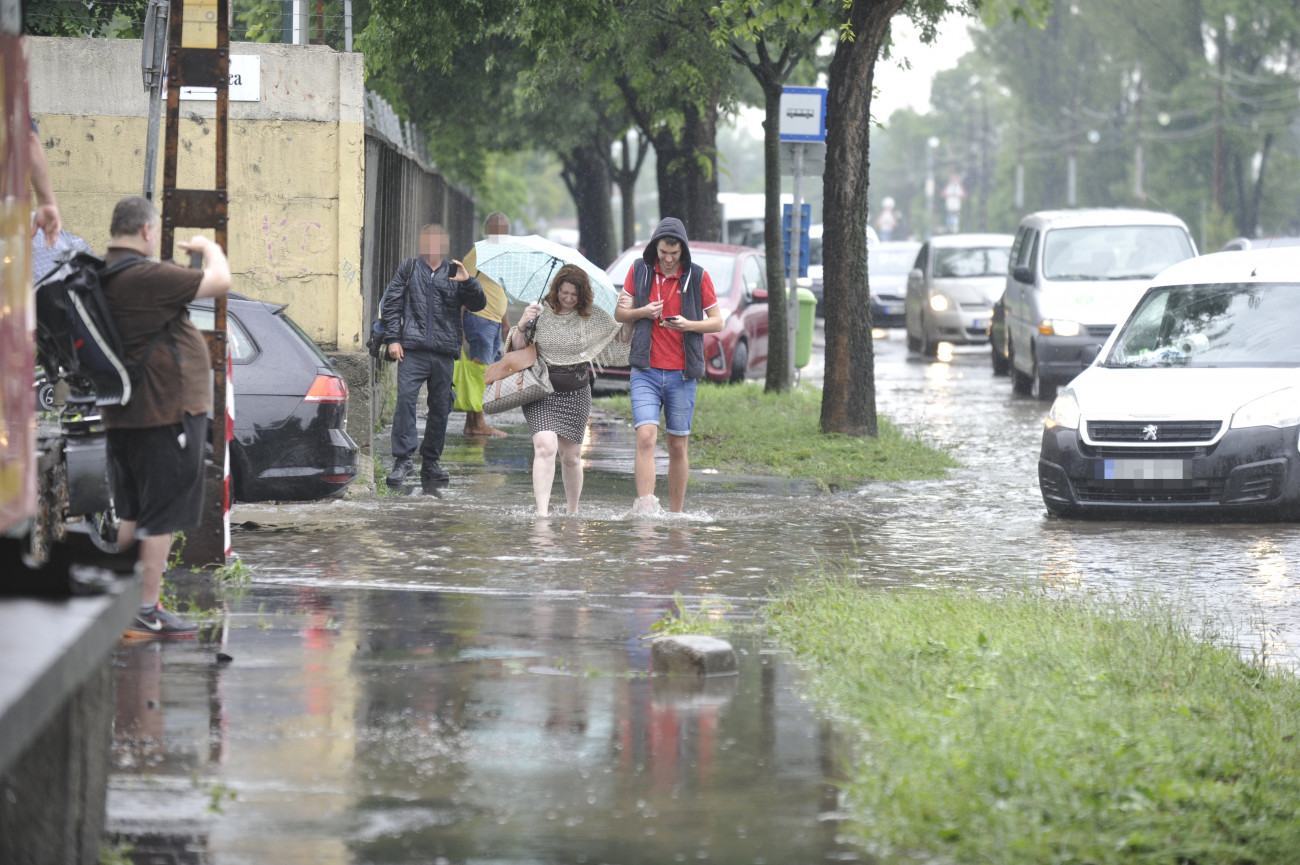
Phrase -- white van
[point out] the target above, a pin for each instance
(1075, 274)
(1193, 406)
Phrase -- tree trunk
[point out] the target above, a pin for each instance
(687, 173)
(849, 391)
(778, 327)
(586, 174)
(700, 135)
(627, 187)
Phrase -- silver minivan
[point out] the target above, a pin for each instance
(1074, 275)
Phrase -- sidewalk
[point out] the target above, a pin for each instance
(450, 679)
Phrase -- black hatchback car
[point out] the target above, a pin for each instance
(291, 441)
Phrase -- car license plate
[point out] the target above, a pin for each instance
(1142, 470)
(891, 309)
(980, 324)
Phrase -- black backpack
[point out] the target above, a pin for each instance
(376, 344)
(75, 335)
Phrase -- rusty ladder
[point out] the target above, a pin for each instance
(198, 55)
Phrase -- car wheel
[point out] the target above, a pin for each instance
(1020, 382)
(913, 342)
(739, 363)
(1000, 365)
(929, 348)
(1040, 389)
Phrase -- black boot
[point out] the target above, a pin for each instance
(402, 467)
(433, 475)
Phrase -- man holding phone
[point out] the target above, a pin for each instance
(673, 304)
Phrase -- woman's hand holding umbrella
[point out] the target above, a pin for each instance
(529, 314)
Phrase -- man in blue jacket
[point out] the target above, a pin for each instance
(422, 328)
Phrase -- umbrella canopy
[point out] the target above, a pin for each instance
(524, 267)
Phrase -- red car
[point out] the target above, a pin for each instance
(739, 275)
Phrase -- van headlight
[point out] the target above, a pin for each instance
(1065, 411)
(1278, 409)
(939, 303)
(1059, 327)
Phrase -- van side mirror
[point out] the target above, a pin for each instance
(1089, 353)
(1023, 274)
(916, 275)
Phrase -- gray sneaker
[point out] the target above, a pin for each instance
(402, 467)
(154, 622)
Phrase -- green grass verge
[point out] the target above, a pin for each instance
(1025, 729)
(741, 429)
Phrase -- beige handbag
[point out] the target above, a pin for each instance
(520, 385)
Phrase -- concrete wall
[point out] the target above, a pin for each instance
(295, 163)
(52, 800)
(323, 203)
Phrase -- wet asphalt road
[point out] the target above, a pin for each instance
(449, 679)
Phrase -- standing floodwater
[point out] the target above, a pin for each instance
(423, 679)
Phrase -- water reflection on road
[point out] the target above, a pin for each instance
(449, 679)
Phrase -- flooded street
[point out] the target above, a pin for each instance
(450, 679)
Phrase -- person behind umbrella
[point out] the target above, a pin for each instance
(571, 334)
(485, 331)
(672, 303)
(422, 327)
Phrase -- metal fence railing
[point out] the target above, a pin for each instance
(300, 22)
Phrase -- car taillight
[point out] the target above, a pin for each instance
(327, 388)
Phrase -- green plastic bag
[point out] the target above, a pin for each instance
(467, 381)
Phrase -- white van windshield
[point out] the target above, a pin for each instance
(1230, 325)
(1113, 252)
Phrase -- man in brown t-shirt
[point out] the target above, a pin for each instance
(156, 442)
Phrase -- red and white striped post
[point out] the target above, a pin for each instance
(230, 436)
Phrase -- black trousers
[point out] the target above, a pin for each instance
(415, 369)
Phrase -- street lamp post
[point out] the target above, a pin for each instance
(932, 144)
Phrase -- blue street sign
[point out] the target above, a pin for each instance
(805, 217)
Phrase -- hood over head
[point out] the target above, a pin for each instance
(669, 226)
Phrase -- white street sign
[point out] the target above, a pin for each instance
(803, 114)
(245, 81)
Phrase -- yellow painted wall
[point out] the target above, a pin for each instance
(295, 168)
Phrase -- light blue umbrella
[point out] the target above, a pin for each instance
(525, 266)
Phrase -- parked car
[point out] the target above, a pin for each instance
(1075, 275)
(739, 275)
(952, 287)
(291, 440)
(888, 264)
(1239, 243)
(1193, 405)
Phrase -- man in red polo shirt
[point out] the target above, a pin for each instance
(673, 305)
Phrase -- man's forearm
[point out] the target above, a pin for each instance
(41, 183)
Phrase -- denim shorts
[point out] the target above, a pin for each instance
(483, 336)
(663, 389)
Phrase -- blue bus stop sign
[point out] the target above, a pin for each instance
(805, 217)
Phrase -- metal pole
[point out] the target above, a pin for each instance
(347, 25)
(154, 60)
(791, 298)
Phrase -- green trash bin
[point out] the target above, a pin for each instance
(807, 322)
